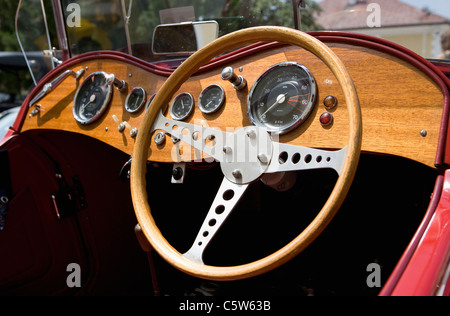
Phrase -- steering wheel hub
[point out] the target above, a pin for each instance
(248, 153)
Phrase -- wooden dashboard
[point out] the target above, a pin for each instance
(401, 105)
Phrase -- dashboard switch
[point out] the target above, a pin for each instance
(238, 82)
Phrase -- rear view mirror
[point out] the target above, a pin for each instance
(183, 38)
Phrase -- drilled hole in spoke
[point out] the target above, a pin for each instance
(296, 159)
(206, 234)
(319, 159)
(283, 158)
(228, 195)
(220, 210)
(308, 158)
(329, 159)
(185, 131)
(212, 223)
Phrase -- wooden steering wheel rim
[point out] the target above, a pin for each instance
(172, 85)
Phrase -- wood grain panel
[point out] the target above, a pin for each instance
(397, 100)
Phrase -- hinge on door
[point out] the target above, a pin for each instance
(69, 200)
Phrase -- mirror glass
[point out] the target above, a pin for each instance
(183, 38)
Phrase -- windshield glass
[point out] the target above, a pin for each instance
(134, 26)
(129, 25)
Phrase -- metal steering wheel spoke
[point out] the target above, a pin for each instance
(295, 158)
(226, 200)
(207, 140)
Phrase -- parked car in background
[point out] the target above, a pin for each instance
(7, 119)
(13, 69)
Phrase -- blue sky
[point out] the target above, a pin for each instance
(440, 7)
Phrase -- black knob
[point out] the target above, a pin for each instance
(177, 173)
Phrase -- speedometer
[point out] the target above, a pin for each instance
(282, 98)
(92, 98)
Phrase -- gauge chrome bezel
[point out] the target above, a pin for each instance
(311, 104)
(109, 93)
(191, 109)
(139, 107)
(202, 95)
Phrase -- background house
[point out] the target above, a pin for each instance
(416, 29)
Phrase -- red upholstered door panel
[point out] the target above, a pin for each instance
(35, 246)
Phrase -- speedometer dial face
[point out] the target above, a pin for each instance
(92, 98)
(282, 98)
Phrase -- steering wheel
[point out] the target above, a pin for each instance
(263, 157)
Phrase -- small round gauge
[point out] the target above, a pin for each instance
(282, 98)
(92, 98)
(135, 100)
(182, 106)
(211, 99)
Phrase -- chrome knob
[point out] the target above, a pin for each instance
(238, 82)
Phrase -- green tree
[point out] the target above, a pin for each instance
(272, 12)
(13, 81)
(8, 40)
(308, 16)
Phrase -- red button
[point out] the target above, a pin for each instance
(326, 119)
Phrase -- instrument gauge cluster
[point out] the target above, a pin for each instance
(280, 100)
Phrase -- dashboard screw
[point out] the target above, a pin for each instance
(160, 138)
